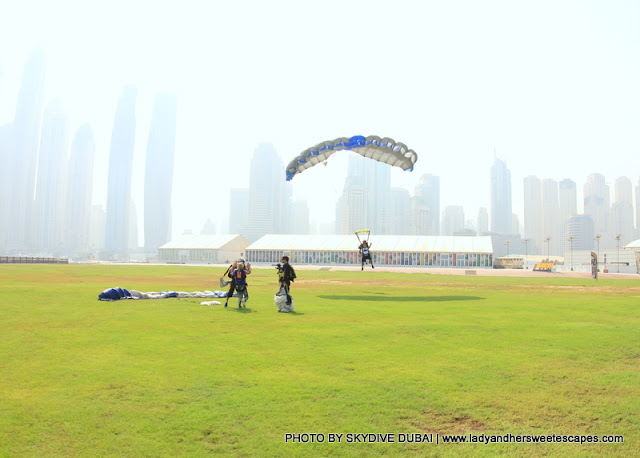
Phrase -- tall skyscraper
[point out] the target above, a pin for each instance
(551, 215)
(379, 216)
(622, 211)
(581, 229)
(597, 205)
(97, 231)
(533, 214)
(24, 153)
(568, 200)
(483, 221)
(500, 197)
(51, 185)
(120, 170)
(353, 204)
(238, 211)
(158, 179)
(268, 202)
(400, 209)
(5, 184)
(79, 198)
(300, 217)
(452, 220)
(372, 180)
(426, 204)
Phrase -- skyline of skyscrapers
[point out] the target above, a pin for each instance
(47, 193)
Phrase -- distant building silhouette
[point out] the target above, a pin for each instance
(400, 211)
(51, 184)
(597, 205)
(80, 192)
(238, 210)
(483, 221)
(352, 205)
(533, 214)
(158, 178)
(551, 222)
(452, 220)
(500, 185)
(24, 154)
(269, 195)
(622, 211)
(581, 229)
(568, 200)
(366, 197)
(120, 170)
(425, 206)
(300, 218)
(5, 184)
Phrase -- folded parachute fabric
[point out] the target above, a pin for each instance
(114, 294)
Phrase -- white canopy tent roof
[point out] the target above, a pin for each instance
(633, 245)
(390, 243)
(202, 242)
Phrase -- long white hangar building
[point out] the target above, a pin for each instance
(386, 250)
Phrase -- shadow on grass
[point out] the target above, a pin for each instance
(404, 298)
(242, 310)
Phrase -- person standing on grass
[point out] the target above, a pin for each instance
(287, 274)
(232, 283)
(239, 276)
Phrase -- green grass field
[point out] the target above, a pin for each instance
(366, 352)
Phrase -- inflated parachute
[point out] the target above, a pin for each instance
(382, 150)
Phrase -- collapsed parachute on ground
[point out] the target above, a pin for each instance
(382, 150)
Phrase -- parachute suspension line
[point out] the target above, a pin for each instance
(363, 231)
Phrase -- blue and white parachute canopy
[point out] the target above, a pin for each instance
(384, 150)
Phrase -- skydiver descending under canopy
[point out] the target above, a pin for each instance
(364, 247)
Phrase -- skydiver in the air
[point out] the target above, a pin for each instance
(365, 253)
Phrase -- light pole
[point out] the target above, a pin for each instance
(547, 240)
(618, 240)
(526, 250)
(598, 240)
(571, 239)
(507, 243)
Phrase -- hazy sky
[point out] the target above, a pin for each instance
(552, 87)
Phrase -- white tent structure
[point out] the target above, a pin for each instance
(211, 249)
(635, 246)
(386, 250)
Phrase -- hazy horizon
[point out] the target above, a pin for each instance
(552, 88)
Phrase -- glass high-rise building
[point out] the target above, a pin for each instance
(269, 197)
(158, 177)
(622, 211)
(533, 214)
(568, 201)
(52, 179)
(597, 205)
(24, 155)
(500, 197)
(120, 171)
(425, 206)
(80, 191)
